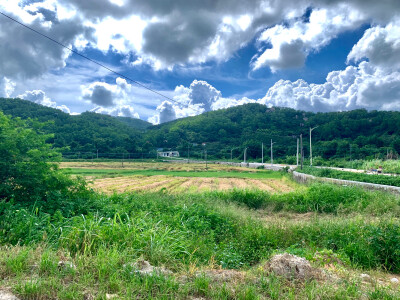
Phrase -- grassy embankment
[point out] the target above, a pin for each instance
(345, 230)
(371, 178)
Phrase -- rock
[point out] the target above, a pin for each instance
(143, 267)
(394, 280)
(290, 266)
(365, 276)
(4, 295)
(64, 264)
(111, 296)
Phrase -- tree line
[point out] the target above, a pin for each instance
(357, 134)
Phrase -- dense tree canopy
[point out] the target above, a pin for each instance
(27, 175)
(88, 132)
(358, 133)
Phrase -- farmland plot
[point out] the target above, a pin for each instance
(172, 184)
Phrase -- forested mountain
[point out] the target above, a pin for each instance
(87, 132)
(358, 133)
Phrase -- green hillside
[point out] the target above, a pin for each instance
(358, 134)
(367, 134)
(87, 132)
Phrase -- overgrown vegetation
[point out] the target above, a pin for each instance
(97, 237)
(371, 178)
(186, 232)
(26, 176)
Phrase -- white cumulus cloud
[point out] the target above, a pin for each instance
(39, 97)
(112, 99)
(199, 97)
(364, 86)
(291, 44)
(6, 87)
(381, 45)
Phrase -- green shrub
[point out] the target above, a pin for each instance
(27, 175)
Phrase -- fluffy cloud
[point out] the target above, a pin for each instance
(200, 31)
(199, 97)
(291, 44)
(119, 111)
(166, 113)
(40, 97)
(106, 95)
(165, 34)
(168, 33)
(381, 45)
(6, 87)
(100, 93)
(112, 99)
(28, 54)
(365, 86)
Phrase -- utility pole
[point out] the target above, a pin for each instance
(245, 154)
(311, 129)
(301, 151)
(297, 153)
(262, 153)
(231, 155)
(188, 153)
(205, 154)
(272, 153)
(350, 157)
(97, 153)
(206, 159)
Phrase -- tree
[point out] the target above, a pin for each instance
(27, 174)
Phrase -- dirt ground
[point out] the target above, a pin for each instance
(188, 184)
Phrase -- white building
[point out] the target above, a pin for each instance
(168, 153)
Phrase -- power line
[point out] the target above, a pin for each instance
(92, 60)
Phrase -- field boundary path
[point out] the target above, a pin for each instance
(305, 178)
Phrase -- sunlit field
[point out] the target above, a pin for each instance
(205, 233)
(178, 178)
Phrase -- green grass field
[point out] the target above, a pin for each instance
(101, 173)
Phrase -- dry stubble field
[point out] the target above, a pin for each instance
(111, 177)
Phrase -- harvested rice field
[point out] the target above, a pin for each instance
(160, 166)
(175, 178)
(174, 184)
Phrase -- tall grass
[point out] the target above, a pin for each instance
(318, 197)
(215, 228)
(389, 166)
(371, 178)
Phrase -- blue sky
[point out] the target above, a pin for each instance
(311, 55)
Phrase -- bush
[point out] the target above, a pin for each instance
(27, 175)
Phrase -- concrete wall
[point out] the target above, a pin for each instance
(305, 178)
